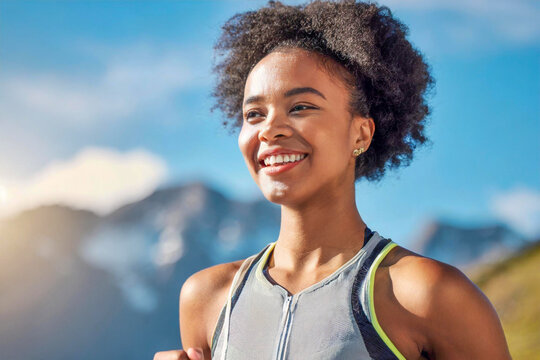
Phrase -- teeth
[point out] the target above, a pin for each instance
(282, 159)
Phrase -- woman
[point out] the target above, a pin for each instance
(325, 94)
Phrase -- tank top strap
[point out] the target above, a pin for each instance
(377, 342)
(235, 288)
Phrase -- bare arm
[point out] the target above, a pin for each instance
(462, 322)
(192, 322)
(201, 299)
(193, 306)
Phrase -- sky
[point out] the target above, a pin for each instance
(103, 102)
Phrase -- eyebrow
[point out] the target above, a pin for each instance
(289, 93)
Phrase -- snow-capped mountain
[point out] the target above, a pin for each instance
(76, 285)
(466, 247)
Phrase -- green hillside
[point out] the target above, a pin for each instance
(513, 287)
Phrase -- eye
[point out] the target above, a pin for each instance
(302, 107)
(251, 114)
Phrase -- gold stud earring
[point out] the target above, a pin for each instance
(357, 152)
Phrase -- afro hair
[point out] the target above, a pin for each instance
(388, 78)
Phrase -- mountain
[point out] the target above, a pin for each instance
(513, 287)
(77, 285)
(466, 247)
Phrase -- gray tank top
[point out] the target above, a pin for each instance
(332, 319)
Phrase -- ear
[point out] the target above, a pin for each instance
(362, 130)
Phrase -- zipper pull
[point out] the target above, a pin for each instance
(286, 303)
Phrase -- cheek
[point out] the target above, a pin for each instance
(330, 143)
(246, 143)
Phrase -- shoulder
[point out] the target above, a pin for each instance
(454, 317)
(207, 281)
(202, 296)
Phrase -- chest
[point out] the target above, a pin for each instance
(350, 314)
(326, 321)
(274, 325)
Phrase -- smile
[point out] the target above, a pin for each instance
(278, 168)
(282, 159)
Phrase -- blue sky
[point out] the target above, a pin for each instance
(101, 102)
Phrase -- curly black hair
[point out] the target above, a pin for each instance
(387, 77)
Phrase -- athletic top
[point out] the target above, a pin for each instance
(332, 319)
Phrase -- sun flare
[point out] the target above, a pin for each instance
(3, 195)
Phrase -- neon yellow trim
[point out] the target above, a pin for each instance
(261, 263)
(371, 305)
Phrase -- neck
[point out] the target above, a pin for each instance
(327, 231)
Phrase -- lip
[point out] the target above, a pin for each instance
(278, 169)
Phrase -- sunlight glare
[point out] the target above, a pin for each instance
(3, 195)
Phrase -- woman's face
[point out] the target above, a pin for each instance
(293, 106)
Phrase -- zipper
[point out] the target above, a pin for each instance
(285, 334)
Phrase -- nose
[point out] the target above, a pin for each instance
(276, 125)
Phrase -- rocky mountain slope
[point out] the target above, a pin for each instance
(513, 287)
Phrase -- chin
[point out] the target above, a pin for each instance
(276, 193)
(281, 194)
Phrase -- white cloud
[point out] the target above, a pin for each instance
(97, 179)
(520, 208)
(104, 86)
(133, 79)
(473, 24)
